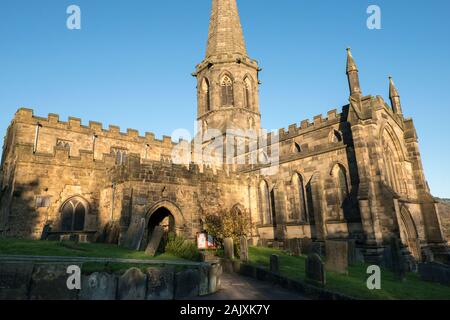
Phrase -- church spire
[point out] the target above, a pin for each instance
(352, 74)
(225, 30)
(227, 79)
(394, 97)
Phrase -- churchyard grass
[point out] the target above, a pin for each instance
(354, 284)
(71, 249)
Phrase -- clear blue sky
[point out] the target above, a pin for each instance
(130, 64)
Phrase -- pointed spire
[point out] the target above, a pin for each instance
(352, 75)
(394, 97)
(393, 93)
(225, 30)
(351, 65)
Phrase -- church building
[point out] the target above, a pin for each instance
(352, 174)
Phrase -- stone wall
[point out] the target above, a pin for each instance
(444, 212)
(20, 281)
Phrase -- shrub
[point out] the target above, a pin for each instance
(228, 224)
(182, 248)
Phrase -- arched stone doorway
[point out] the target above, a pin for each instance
(162, 217)
(167, 215)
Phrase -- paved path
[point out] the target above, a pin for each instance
(235, 287)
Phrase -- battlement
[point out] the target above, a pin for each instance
(93, 128)
(318, 122)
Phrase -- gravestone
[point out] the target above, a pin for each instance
(49, 282)
(155, 241)
(229, 248)
(45, 231)
(132, 285)
(275, 263)
(305, 246)
(134, 235)
(187, 284)
(295, 246)
(244, 249)
(435, 272)
(111, 233)
(64, 237)
(359, 255)
(336, 256)
(160, 284)
(397, 259)
(315, 270)
(98, 286)
(14, 280)
(215, 273)
(428, 255)
(83, 238)
(352, 257)
(317, 247)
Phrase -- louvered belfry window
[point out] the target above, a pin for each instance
(227, 91)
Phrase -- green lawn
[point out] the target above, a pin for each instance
(72, 249)
(355, 283)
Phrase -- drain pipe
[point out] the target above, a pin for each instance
(36, 137)
(94, 138)
(112, 201)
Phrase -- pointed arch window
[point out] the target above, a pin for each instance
(227, 94)
(310, 198)
(340, 178)
(299, 197)
(248, 103)
(63, 144)
(265, 203)
(391, 173)
(120, 155)
(206, 95)
(73, 214)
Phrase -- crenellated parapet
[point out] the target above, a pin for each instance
(74, 124)
(319, 122)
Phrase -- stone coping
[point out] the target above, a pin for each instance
(13, 258)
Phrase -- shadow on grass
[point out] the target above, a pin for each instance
(354, 284)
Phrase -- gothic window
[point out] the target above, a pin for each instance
(342, 191)
(391, 175)
(309, 197)
(206, 94)
(73, 214)
(313, 199)
(265, 203)
(63, 144)
(120, 155)
(296, 148)
(248, 94)
(227, 91)
(299, 197)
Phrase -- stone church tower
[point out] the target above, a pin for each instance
(354, 174)
(227, 79)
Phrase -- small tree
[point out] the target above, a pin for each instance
(228, 224)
